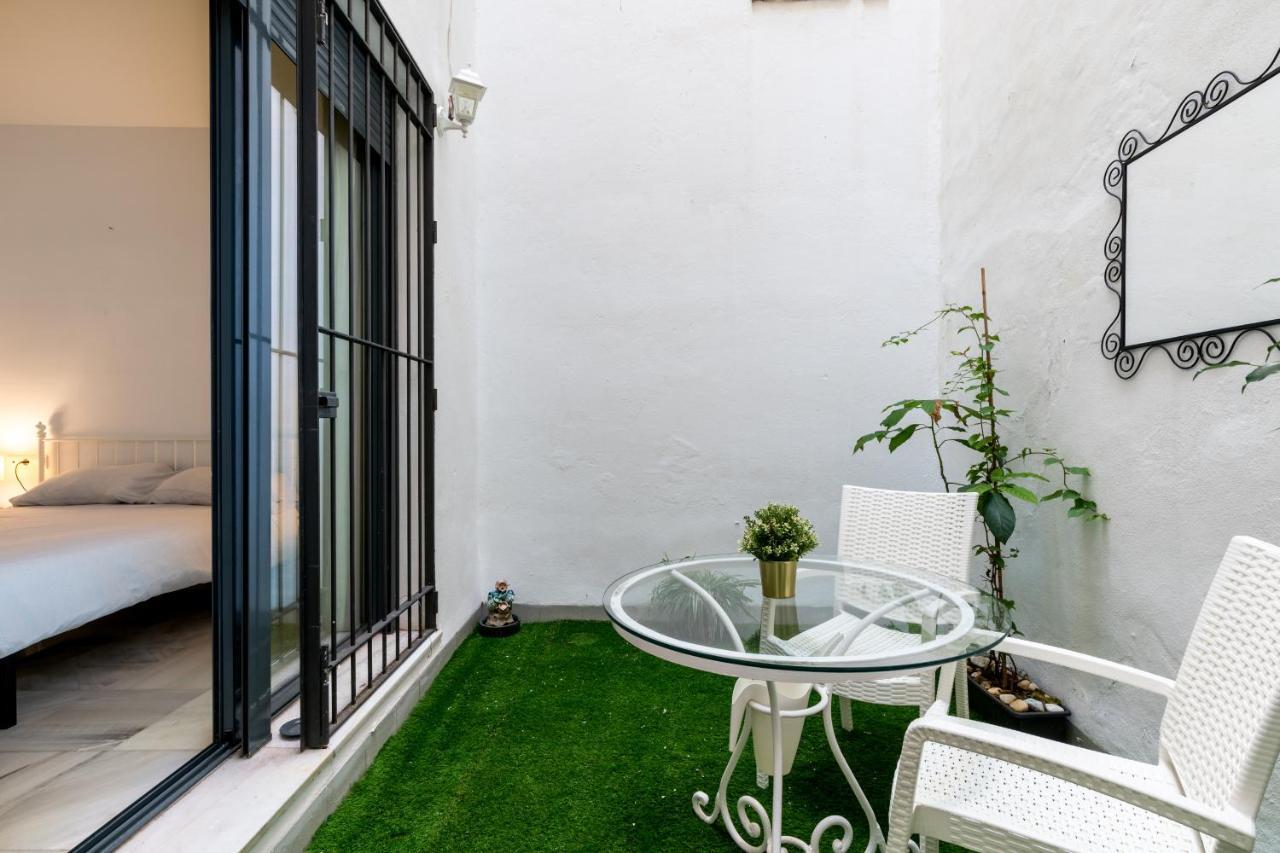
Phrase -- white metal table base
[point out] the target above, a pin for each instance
(761, 830)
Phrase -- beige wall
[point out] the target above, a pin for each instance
(104, 236)
(123, 63)
(104, 219)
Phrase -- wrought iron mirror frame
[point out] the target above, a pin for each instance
(1185, 351)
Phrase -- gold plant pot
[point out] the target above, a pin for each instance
(778, 578)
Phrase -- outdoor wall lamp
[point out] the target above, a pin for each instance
(465, 92)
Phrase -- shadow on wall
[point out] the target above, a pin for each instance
(812, 3)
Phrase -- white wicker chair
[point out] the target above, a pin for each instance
(907, 530)
(989, 788)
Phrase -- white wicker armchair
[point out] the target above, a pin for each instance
(907, 530)
(989, 788)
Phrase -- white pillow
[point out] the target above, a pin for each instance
(192, 486)
(111, 484)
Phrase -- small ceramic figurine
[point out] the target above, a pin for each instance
(499, 605)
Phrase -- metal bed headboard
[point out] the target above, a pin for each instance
(67, 453)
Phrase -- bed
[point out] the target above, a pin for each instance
(62, 567)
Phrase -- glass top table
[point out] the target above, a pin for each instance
(848, 621)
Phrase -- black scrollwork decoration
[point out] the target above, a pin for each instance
(1207, 348)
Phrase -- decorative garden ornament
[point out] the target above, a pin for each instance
(500, 621)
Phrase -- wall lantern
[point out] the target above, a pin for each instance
(465, 92)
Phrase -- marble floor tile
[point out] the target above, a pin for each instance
(102, 719)
(42, 767)
(60, 813)
(186, 668)
(189, 727)
(96, 715)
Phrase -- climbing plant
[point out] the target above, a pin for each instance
(970, 416)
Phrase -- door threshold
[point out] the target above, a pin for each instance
(276, 798)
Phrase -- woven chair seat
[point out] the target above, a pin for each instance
(964, 796)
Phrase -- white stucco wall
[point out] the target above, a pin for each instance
(678, 232)
(697, 223)
(438, 32)
(1035, 98)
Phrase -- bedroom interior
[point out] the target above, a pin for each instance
(176, 587)
(106, 661)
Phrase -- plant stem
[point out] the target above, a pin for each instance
(937, 451)
(993, 451)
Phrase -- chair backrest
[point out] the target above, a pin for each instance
(910, 530)
(1221, 727)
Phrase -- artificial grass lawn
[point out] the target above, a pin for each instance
(564, 737)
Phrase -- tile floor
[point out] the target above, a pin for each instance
(102, 719)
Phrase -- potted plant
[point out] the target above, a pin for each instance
(968, 420)
(778, 536)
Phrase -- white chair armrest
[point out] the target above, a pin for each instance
(1088, 663)
(1096, 771)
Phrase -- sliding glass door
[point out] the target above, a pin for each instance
(318, 232)
(285, 461)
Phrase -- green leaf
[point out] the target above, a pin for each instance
(980, 488)
(998, 515)
(1077, 511)
(867, 439)
(901, 437)
(1077, 470)
(1220, 367)
(1052, 460)
(1027, 475)
(1262, 372)
(1053, 496)
(892, 420)
(1020, 493)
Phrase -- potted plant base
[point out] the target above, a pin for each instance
(1030, 710)
(505, 629)
(778, 578)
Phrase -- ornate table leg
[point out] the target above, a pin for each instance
(763, 830)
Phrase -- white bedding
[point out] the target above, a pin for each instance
(64, 566)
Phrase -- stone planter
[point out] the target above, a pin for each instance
(988, 708)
